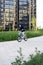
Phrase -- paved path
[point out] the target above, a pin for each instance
(8, 50)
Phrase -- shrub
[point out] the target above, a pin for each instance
(13, 35)
(8, 35)
(31, 34)
(1, 28)
(18, 59)
(34, 59)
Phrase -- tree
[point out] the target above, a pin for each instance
(33, 22)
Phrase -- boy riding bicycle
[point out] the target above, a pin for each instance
(21, 34)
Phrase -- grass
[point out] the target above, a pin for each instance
(13, 35)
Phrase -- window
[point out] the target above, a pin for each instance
(1, 9)
(1, 13)
(2, 5)
(2, 1)
(9, 10)
(23, 9)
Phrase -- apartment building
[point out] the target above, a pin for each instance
(1, 13)
(32, 13)
(16, 12)
(23, 13)
(27, 12)
(9, 14)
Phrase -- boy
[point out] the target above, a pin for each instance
(22, 33)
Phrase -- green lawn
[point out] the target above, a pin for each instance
(13, 35)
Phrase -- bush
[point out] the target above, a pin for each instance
(1, 28)
(13, 35)
(31, 34)
(8, 35)
(18, 59)
(34, 59)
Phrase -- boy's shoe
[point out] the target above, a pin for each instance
(19, 39)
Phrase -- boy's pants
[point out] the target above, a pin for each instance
(21, 34)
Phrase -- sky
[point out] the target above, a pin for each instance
(39, 14)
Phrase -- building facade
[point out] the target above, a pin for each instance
(27, 13)
(23, 13)
(1, 13)
(17, 12)
(9, 14)
(32, 13)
